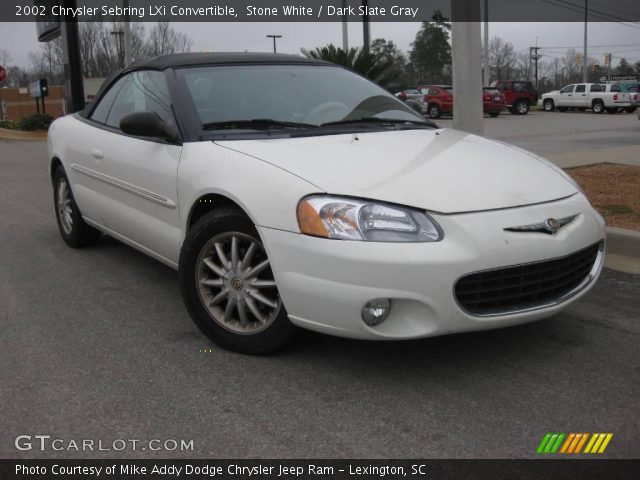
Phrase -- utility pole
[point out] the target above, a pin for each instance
(127, 34)
(345, 27)
(274, 41)
(74, 81)
(485, 70)
(609, 62)
(366, 32)
(467, 66)
(119, 34)
(584, 56)
(535, 57)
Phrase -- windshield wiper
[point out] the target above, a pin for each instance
(255, 124)
(378, 120)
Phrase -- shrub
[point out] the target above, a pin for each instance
(37, 121)
(9, 124)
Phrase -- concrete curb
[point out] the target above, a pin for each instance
(623, 250)
(6, 134)
(623, 242)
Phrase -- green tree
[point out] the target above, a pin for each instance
(388, 51)
(624, 68)
(364, 61)
(431, 54)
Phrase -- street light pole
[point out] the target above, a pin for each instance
(366, 30)
(274, 41)
(345, 27)
(485, 70)
(584, 56)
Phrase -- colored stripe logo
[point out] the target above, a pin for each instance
(568, 443)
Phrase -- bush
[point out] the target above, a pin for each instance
(9, 124)
(37, 121)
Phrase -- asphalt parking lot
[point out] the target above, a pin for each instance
(96, 344)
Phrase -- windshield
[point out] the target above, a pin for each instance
(301, 94)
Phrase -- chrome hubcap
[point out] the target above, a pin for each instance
(522, 107)
(65, 212)
(236, 285)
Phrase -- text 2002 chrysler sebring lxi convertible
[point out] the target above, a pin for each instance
(291, 192)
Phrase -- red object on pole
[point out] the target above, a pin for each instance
(3, 74)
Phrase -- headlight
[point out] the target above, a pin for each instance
(350, 219)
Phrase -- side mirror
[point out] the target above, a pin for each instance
(148, 124)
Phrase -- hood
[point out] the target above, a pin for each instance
(552, 92)
(446, 171)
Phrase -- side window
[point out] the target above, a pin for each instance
(521, 86)
(580, 88)
(101, 112)
(615, 88)
(144, 91)
(424, 91)
(567, 89)
(596, 88)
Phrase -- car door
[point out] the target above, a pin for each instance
(138, 176)
(580, 96)
(566, 96)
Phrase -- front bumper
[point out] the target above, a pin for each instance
(325, 283)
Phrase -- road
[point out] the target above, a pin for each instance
(96, 344)
(571, 138)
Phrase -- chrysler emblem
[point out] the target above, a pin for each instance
(552, 224)
(549, 226)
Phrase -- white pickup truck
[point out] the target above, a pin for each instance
(598, 97)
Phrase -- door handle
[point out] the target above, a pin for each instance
(95, 153)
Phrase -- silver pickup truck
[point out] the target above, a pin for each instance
(598, 97)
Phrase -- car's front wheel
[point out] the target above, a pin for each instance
(228, 286)
(597, 106)
(521, 107)
(548, 106)
(73, 229)
(434, 111)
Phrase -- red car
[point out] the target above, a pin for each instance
(520, 95)
(439, 100)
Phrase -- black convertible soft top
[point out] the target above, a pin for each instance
(193, 59)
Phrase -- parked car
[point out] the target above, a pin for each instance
(599, 97)
(519, 95)
(439, 100)
(493, 102)
(414, 98)
(318, 201)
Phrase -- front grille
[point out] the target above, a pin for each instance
(523, 287)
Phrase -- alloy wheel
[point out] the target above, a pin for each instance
(236, 285)
(65, 209)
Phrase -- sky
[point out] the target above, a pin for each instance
(621, 40)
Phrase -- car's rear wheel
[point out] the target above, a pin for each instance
(73, 229)
(228, 286)
(548, 106)
(521, 107)
(597, 106)
(434, 111)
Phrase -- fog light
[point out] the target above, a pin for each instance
(376, 311)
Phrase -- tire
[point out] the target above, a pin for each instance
(494, 114)
(521, 107)
(434, 111)
(73, 229)
(563, 109)
(233, 320)
(597, 106)
(548, 106)
(611, 111)
(629, 109)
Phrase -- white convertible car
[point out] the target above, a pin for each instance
(290, 192)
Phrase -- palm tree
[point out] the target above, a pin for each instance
(361, 60)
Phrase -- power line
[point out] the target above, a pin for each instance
(602, 16)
